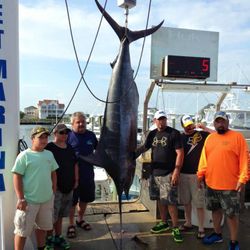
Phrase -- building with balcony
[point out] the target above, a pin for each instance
(50, 109)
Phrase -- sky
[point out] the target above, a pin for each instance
(48, 67)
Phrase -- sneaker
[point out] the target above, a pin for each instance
(49, 243)
(177, 235)
(160, 228)
(212, 238)
(61, 242)
(234, 245)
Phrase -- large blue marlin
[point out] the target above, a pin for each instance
(118, 140)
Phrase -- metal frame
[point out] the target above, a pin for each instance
(189, 86)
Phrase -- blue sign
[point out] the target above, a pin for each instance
(3, 75)
(2, 186)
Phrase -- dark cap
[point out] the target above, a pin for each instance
(220, 114)
(38, 131)
(61, 127)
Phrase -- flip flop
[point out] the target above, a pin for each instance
(185, 228)
(84, 225)
(200, 235)
(71, 232)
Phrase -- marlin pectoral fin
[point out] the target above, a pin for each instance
(93, 159)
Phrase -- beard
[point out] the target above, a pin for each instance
(221, 131)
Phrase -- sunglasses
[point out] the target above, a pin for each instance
(63, 132)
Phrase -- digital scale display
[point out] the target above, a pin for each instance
(186, 67)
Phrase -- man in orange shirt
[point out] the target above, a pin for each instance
(224, 166)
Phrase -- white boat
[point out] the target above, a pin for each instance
(238, 119)
(103, 190)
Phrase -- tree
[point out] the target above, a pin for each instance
(21, 114)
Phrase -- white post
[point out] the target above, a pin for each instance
(9, 116)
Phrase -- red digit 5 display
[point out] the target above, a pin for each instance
(186, 67)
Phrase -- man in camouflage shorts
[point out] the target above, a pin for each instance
(224, 165)
(167, 158)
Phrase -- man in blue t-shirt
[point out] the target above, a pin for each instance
(83, 142)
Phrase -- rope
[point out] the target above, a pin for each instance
(77, 59)
(91, 51)
(144, 40)
(78, 62)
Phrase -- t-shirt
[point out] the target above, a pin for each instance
(83, 144)
(35, 168)
(192, 145)
(223, 160)
(66, 159)
(163, 145)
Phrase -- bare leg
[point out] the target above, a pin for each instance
(233, 224)
(163, 211)
(49, 233)
(19, 242)
(217, 218)
(40, 237)
(58, 227)
(72, 216)
(81, 210)
(172, 209)
(187, 211)
(201, 218)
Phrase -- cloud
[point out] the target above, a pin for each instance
(44, 34)
(44, 31)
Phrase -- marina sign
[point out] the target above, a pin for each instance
(9, 116)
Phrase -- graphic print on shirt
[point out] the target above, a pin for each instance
(162, 141)
(193, 141)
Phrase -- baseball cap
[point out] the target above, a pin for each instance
(159, 114)
(220, 114)
(186, 120)
(60, 127)
(38, 131)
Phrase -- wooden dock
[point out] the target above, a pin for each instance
(105, 233)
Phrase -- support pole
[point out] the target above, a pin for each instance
(145, 106)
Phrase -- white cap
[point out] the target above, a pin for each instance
(159, 114)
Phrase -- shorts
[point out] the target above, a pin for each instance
(62, 204)
(35, 215)
(85, 192)
(167, 192)
(228, 200)
(188, 191)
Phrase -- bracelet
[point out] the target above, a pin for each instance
(21, 200)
